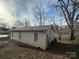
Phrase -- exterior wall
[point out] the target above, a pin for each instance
(43, 41)
(54, 35)
(28, 38)
(50, 34)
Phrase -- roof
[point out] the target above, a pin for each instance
(25, 30)
(34, 29)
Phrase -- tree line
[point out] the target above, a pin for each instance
(68, 8)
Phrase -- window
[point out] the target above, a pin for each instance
(19, 35)
(35, 37)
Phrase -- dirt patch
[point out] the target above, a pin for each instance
(13, 51)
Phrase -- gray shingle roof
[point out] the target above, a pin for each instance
(36, 28)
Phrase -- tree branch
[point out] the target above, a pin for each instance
(64, 6)
(65, 17)
(77, 18)
(67, 3)
(55, 25)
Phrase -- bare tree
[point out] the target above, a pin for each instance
(70, 11)
(4, 25)
(18, 24)
(39, 12)
(56, 27)
(23, 23)
(26, 23)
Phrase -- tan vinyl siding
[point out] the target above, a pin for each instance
(28, 38)
(42, 38)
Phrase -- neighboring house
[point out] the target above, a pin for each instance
(38, 36)
(4, 33)
(3, 30)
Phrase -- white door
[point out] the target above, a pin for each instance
(36, 40)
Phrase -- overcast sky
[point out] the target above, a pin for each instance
(12, 10)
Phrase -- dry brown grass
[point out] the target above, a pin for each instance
(57, 50)
(13, 51)
(67, 39)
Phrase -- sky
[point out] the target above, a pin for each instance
(12, 10)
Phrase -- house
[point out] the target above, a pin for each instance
(4, 30)
(37, 36)
(4, 33)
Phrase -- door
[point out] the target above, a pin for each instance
(36, 41)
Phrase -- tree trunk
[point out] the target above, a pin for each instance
(59, 37)
(72, 34)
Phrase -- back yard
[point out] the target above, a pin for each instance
(9, 50)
